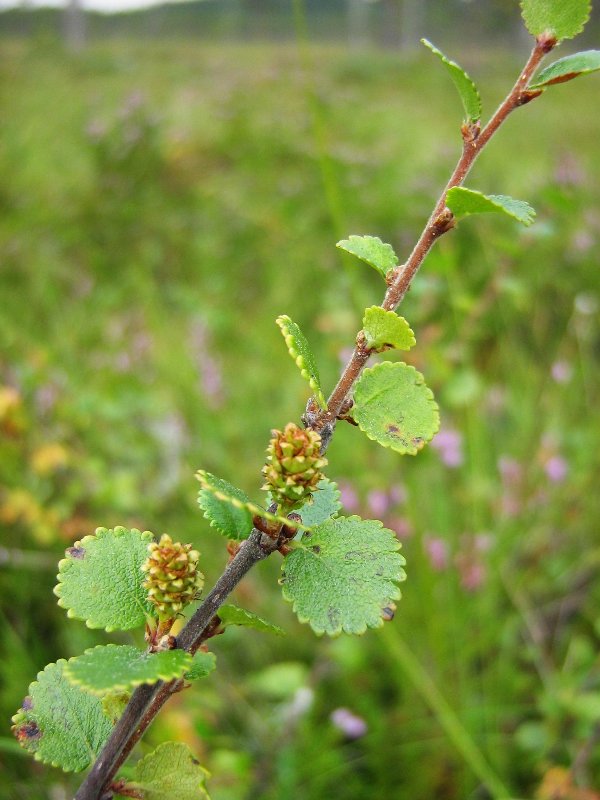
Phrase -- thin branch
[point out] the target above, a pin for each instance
(439, 222)
(147, 700)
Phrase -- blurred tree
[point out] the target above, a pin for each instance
(402, 22)
(74, 26)
(412, 18)
(359, 33)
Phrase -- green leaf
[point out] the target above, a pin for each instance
(100, 580)
(467, 90)
(232, 520)
(170, 773)
(232, 615)
(344, 575)
(299, 349)
(394, 407)
(567, 68)
(222, 494)
(114, 703)
(203, 664)
(119, 667)
(323, 503)
(385, 330)
(59, 723)
(372, 250)
(463, 202)
(563, 19)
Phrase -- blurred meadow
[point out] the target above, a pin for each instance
(162, 201)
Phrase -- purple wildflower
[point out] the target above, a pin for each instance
(448, 444)
(437, 552)
(472, 574)
(556, 468)
(348, 496)
(562, 371)
(352, 726)
(378, 502)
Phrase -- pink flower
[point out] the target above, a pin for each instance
(437, 551)
(448, 444)
(470, 561)
(472, 574)
(348, 496)
(352, 726)
(562, 371)
(556, 468)
(378, 502)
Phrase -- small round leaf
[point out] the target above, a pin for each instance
(372, 251)
(59, 723)
(344, 575)
(563, 19)
(386, 330)
(113, 667)
(394, 407)
(100, 579)
(170, 772)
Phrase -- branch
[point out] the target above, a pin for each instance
(147, 700)
(439, 222)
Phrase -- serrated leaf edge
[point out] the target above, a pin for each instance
(449, 62)
(206, 514)
(290, 343)
(396, 316)
(164, 676)
(213, 522)
(572, 36)
(338, 501)
(100, 533)
(431, 398)
(493, 198)
(253, 508)
(14, 719)
(379, 270)
(397, 594)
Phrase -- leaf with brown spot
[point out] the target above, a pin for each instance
(59, 723)
(394, 407)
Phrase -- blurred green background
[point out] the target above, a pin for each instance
(163, 199)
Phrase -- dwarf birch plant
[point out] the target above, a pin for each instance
(342, 574)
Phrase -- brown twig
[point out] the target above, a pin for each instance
(438, 223)
(147, 700)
